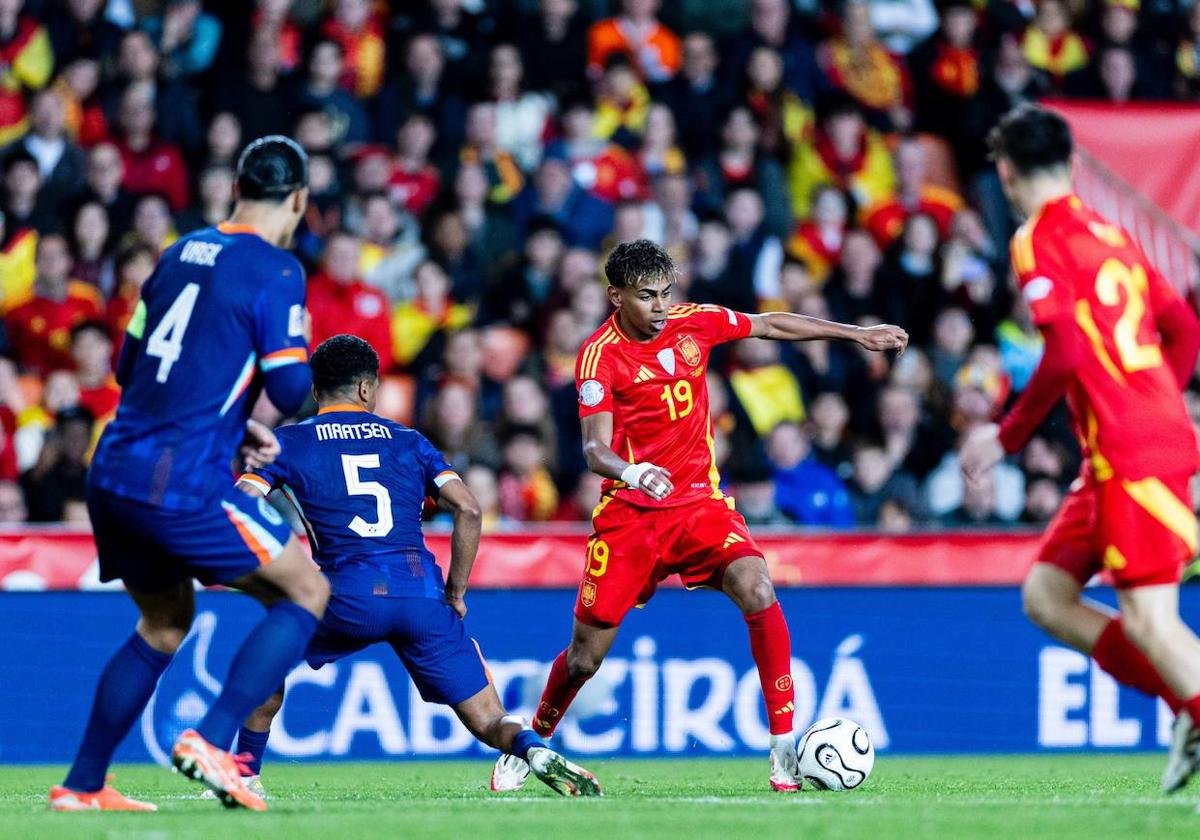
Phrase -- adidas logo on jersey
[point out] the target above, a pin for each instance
(643, 374)
(733, 539)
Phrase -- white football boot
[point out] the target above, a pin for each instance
(1183, 758)
(785, 766)
(509, 773)
(562, 776)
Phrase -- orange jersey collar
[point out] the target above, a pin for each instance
(330, 409)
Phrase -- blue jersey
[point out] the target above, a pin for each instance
(360, 482)
(222, 313)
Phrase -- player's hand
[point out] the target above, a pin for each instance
(883, 337)
(457, 601)
(652, 480)
(981, 450)
(259, 447)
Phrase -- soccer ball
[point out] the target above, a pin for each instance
(835, 754)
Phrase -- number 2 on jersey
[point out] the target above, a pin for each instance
(166, 342)
(1113, 276)
(355, 486)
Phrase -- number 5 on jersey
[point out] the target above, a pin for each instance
(166, 342)
(355, 486)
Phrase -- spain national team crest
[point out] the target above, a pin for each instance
(588, 594)
(689, 350)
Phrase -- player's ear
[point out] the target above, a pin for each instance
(614, 296)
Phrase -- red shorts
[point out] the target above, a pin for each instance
(632, 549)
(1143, 532)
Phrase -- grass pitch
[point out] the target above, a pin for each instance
(1067, 796)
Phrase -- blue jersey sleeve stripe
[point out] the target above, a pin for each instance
(240, 384)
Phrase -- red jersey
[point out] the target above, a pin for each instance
(658, 397)
(1128, 411)
(40, 329)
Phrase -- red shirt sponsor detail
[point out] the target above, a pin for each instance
(1129, 415)
(657, 394)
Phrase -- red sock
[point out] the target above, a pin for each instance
(560, 690)
(771, 645)
(1121, 659)
(1193, 708)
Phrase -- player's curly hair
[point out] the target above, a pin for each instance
(1032, 139)
(632, 263)
(340, 363)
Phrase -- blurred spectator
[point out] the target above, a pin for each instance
(772, 25)
(522, 115)
(81, 30)
(755, 493)
(659, 153)
(526, 405)
(321, 90)
(485, 487)
(806, 491)
(817, 240)
(877, 481)
(391, 249)
(902, 24)
(552, 42)
(259, 97)
(579, 505)
(911, 278)
(40, 329)
(845, 153)
(757, 254)
(172, 103)
(978, 508)
(1042, 500)
(413, 182)
(12, 503)
(22, 185)
(78, 85)
(527, 492)
(489, 226)
(186, 37)
(60, 162)
(638, 35)
(852, 291)
(423, 89)
(340, 302)
(214, 199)
(152, 222)
(417, 322)
(450, 245)
(59, 474)
(134, 264)
(584, 219)
(830, 418)
(669, 219)
(912, 445)
(739, 163)
(863, 67)
(604, 169)
(1051, 44)
(151, 164)
(358, 26)
(105, 182)
(952, 336)
(885, 219)
(224, 140)
(92, 352)
(695, 95)
(621, 103)
(505, 179)
(25, 65)
(91, 233)
(519, 295)
(453, 426)
(765, 389)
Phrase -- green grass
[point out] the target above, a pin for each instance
(947, 798)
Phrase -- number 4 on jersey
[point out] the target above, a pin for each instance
(166, 342)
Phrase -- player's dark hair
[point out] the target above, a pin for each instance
(632, 263)
(1032, 139)
(340, 363)
(271, 168)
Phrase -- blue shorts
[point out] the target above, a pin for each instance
(443, 661)
(153, 549)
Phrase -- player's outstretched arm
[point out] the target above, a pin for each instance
(788, 326)
(597, 451)
(464, 540)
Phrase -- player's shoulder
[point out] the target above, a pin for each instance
(599, 346)
(699, 315)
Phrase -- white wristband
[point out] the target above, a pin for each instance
(632, 475)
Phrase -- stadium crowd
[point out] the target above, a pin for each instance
(471, 164)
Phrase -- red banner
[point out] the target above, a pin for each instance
(553, 558)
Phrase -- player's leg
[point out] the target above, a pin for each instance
(1052, 598)
(244, 543)
(748, 584)
(570, 670)
(486, 719)
(252, 744)
(124, 688)
(1069, 557)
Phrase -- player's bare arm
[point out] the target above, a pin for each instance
(464, 540)
(652, 480)
(788, 326)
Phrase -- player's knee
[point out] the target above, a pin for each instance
(751, 589)
(582, 664)
(163, 636)
(1039, 606)
(1148, 630)
(311, 591)
(260, 719)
